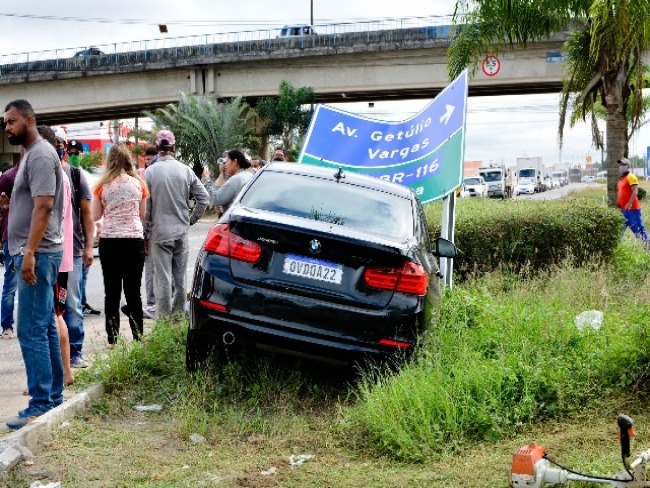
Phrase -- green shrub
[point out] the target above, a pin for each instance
(506, 353)
(631, 261)
(529, 235)
(91, 160)
(642, 193)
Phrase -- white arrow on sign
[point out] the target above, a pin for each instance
(447, 115)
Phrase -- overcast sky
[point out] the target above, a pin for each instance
(498, 128)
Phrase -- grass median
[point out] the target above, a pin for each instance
(505, 364)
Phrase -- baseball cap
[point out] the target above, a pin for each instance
(624, 161)
(59, 133)
(75, 144)
(165, 138)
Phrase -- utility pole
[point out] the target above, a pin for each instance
(116, 131)
(311, 12)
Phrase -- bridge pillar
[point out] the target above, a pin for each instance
(210, 82)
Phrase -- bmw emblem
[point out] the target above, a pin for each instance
(314, 246)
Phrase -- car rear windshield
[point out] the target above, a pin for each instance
(472, 181)
(324, 200)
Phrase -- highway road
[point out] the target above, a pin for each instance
(11, 363)
(557, 192)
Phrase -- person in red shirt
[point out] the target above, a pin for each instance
(628, 188)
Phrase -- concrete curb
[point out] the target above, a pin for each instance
(19, 445)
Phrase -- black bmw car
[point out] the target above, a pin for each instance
(318, 263)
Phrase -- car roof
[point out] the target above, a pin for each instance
(350, 177)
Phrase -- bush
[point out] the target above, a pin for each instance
(505, 353)
(529, 235)
(642, 193)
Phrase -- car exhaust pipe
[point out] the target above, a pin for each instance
(228, 338)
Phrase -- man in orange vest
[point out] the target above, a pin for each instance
(628, 202)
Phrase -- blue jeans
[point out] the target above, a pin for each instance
(82, 284)
(8, 290)
(634, 222)
(73, 315)
(37, 334)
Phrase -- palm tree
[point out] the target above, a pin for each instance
(605, 48)
(205, 128)
(286, 116)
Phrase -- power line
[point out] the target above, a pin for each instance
(190, 22)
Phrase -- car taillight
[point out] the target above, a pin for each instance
(411, 278)
(213, 306)
(225, 243)
(395, 343)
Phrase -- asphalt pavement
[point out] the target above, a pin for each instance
(11, 363)
(555, 193)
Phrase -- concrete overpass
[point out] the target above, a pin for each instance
(353, 66)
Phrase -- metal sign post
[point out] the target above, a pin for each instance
(448, 225)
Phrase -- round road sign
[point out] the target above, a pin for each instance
(491, 65)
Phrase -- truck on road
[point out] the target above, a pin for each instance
(575, 175)
(498, 180)
(531, 173)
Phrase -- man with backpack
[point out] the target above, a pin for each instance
(83, 250)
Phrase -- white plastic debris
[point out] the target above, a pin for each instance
(148, 408)
(186, 466)
(589, 318)
(298, 459)
(269, 472)
(53, 484)
(196, 438)
(64, 425)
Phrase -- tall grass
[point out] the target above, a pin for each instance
(243, 394)
(507, 352)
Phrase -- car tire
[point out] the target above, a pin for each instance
(198, 349)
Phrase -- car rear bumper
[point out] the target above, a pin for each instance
(285, 320)
(307, 342)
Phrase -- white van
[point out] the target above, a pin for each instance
(297, 30)
(475, 186)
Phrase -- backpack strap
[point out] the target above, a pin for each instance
(76, 183)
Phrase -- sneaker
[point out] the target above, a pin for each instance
(23, 418)
(78, 362)
(146, 314)
(88, 310)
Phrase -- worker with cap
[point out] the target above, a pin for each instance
(167, 223)
(628, 201)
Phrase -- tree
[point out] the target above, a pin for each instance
(604, 52)
(286, 116)
(205, 128)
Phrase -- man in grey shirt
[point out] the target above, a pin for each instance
(36, 244)
(167, 222)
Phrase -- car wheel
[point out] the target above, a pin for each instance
(198, 349)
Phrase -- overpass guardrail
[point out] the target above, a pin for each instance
(107, 56)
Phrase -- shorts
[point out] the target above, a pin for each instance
(60, 293)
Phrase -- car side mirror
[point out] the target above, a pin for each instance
(445, 248)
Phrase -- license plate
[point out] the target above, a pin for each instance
(313, 269)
